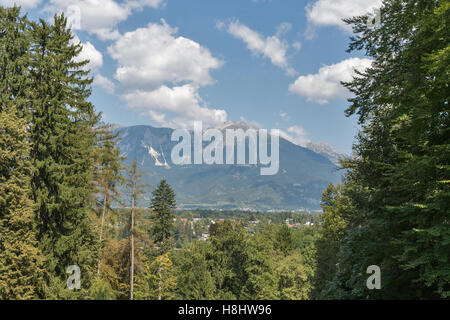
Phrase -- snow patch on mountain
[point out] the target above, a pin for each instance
(158, 157)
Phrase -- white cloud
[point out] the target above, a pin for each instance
(104, 83)
(90, 53)
(100, 17)
(95, 57)
(296, 135)
(183, 102)
(326, 84)
(271, 47)
(140, 4)
(161, 74)
(151, 56)
(331, 12)
(25, 4)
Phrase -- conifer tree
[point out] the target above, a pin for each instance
(162, 205)
(20, 259)
(399, 179)
(62, 136)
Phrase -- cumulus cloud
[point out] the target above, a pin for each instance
(272, 47)
(99, 17)
(183, 103)
(161, 74)
(153, 55)
(296, 135)
(95, 57)
(331, 12)
(25, 4)
(104, 83)
(326, 84)
(90, 53)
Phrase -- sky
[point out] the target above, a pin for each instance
(276, 64)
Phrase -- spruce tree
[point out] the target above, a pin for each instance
(163, 203)
(62, 136)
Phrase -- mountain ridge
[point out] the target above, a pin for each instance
(302, 176)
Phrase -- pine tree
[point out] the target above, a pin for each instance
(62, 136)
(162, 205)
(20, 259)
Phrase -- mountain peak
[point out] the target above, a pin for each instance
(235, 125)
(326, 150)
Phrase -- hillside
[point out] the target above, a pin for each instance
(302, 176)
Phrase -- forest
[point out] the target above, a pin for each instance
(63, 183)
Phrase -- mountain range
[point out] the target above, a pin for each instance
(303, 173)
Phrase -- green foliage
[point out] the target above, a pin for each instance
(236, 265)
(107, 179)
(158, 281)
(398, 181)
(101, 290)
(162, 205)
(115, 267)
(336, 206)
(262, 280)
(62, 146)
(294, 282)
(194, 279)
(21, 261)
(284, 240)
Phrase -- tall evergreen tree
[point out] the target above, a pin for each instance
(399, 179)
(163, 203)
(62, 136)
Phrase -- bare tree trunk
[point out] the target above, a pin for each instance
(160, 278)
(101, 232)
(132, 245)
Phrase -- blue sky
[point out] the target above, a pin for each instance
(275, 63)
